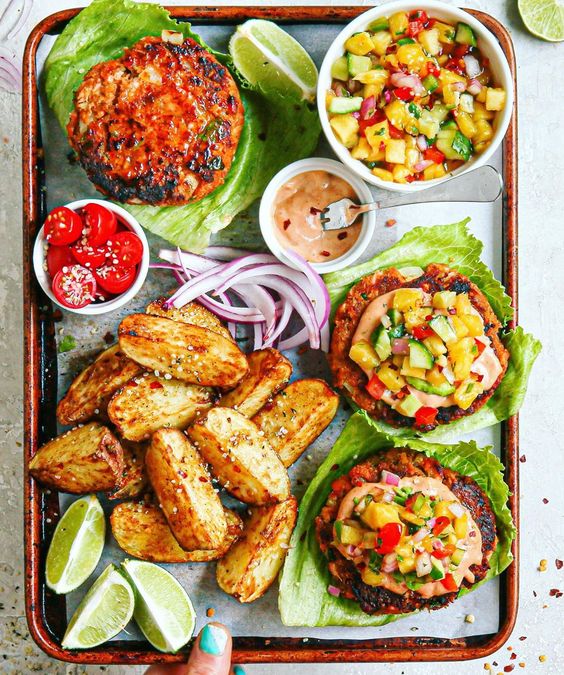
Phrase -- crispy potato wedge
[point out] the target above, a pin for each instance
(85, 459)
(269, 371)
(134, 479)
(239, 457)
(186, 352)
(148, 403)
(296, 417)
(192, 313)
(250, 566)
(142, 531)
(90, 391)
(185, 492)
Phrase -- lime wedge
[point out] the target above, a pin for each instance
(543, 18)
(76, 546)
(270, 58)
(163, 611)
(104, 611)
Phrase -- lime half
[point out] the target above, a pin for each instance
(543, 18)
(76, 546)
(104, 611)
(271, 59)
(163, 611)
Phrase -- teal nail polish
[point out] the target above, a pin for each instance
(238, 670)
(213, 640)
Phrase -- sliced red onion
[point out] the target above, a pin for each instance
(390, 563)
(400, 346)
(283, 321)
(458, 86)
(456, 509)
(228, 253)
(387, 95)
(472, 65)
(431, 522)
(420, 535)
(422, 165)
(422, 143)
(410, 81)
(356, 114)
(334, 591)
(388, 497)
(390, 478)
(368, 107)
(320, 298)
(474, 87)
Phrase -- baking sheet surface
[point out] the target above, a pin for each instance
(66, 182)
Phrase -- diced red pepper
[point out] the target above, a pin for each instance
(410, 501)
(376, 387)
(434, 155)
(425, 416)
(449, 583)
(481, 346)
(388, 538)
(433, 69)
(460, 50)
(395, 132)
(414, 28)
(440, 524)
(378, 116)
(341, 485)
(404, 93)
(422, 332)
(456, 65)
(441, 553)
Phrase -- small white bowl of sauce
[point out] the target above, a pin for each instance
(290, 207)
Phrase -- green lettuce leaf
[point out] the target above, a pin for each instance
(303, 598)
(454, 245)
(101, 32)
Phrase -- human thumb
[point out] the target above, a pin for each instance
(211, 655)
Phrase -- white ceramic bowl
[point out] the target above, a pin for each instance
(100, 307)
(487, 44)
(266, 211)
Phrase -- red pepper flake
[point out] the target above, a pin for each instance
(391, 222)
(559, 564)
(156, 385)
(210, 611)
(342, 235)
(236, 469)
(357, 482)
(287, 223)
(509, 668)
(513, 656)
(132, 383)
(523, 459)
(314, 211)
(325, 253)
(202, 479)
(544, 500)
(554, 592)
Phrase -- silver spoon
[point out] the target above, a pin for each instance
(481, 185)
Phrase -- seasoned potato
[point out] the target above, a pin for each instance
(148, 403)
(90, 391)
(296, 417)
(85, 459)
(134, 479)
(240, 458)
(142, 531)
(185, 491)
(253, 562)
(193, 313)
(268, 372)
(184, 351)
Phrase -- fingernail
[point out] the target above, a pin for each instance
(238, 670)
(213, 640)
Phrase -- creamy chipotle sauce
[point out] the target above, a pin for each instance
(297, 205)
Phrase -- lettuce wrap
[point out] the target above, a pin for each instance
(278, 129)
(303, 598)
(455, 246)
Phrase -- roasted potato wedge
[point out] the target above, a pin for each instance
(296, 417)
(185, 492)
(142, 531)
(148, 403)
(253, 562)
(134, 479)
(186, 352)
(85, 459)
(269, 371)
(90, 391)
(240, 458)
(192, 313)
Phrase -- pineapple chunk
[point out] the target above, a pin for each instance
(447, 77)
(362, 149)
(480, 112)
(397, 114)
(371, 578)
(409, 371)
(435, 377)
(406, 565)
(429, 40)
(359, 44)
(412, 56)
(381, 41)
(415, 317)
(461, 527)
(345, 128)
(466, 124)
(463, 304)
(395, 151)
(451, 97)
(377, 155)
(377, 133)
(462, 354)
(398, 24)
(467, 392)
(446, 31)
(391, 60)
(412, 156)
(435, 345)
(407, 298)
(400, 173)
(459, 326)
(495, 99)
(441, 360)
(377, 76)
(480, 147)
(364, 355)
(391, 378)
(481, 95)
(434, 171)
(428, 125)
(442, 509)
(474, 324)
(444, 299)
(397, 360)
(484, 131)
(382, 174)
(378, 514)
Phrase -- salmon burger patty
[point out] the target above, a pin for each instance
(159, 125)
(417, 352)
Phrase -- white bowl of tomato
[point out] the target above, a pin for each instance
(411, 93)
(91, 256)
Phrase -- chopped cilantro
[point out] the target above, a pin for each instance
(67, 344)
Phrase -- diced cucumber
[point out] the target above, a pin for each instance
(462, 145)
(341, 105)
(396, 316)
(406, 41)
(419, 355)
(358, 64)
(437, 571)
(467, 103)
(379, 25)
(445, 389)
(443, 328)
(457, 556)
(448, 124)
(439, 112)
(340, 69)
(465, 35)
(408, 407)
(430, 83)
(454, 145)
(397, 331)
(381, 342)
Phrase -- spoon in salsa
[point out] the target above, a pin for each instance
(481, 185)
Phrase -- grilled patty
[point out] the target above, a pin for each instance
(160, 125)
(403, 462)
(349, 377)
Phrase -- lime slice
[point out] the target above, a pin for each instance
(163, 611)
(271, 59)
(543, 18)
(76, 546)
(104, 611)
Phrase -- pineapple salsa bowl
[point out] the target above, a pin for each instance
(410, 94)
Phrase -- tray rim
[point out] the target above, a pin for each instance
(38, 332)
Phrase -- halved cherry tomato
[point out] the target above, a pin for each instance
(441, 553)
(434, 155)
(388, 538)
(100, 224)
(449, 583)
(90, 256)
(74, 286)
(115, 279)
(126, 248)
(57, 258)
(62, 226)
(440, 524)
(375, 387)
(425, 416)
(422, 332)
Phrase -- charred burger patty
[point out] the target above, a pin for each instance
(160, 125)
(449, 359)
(358, 572)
